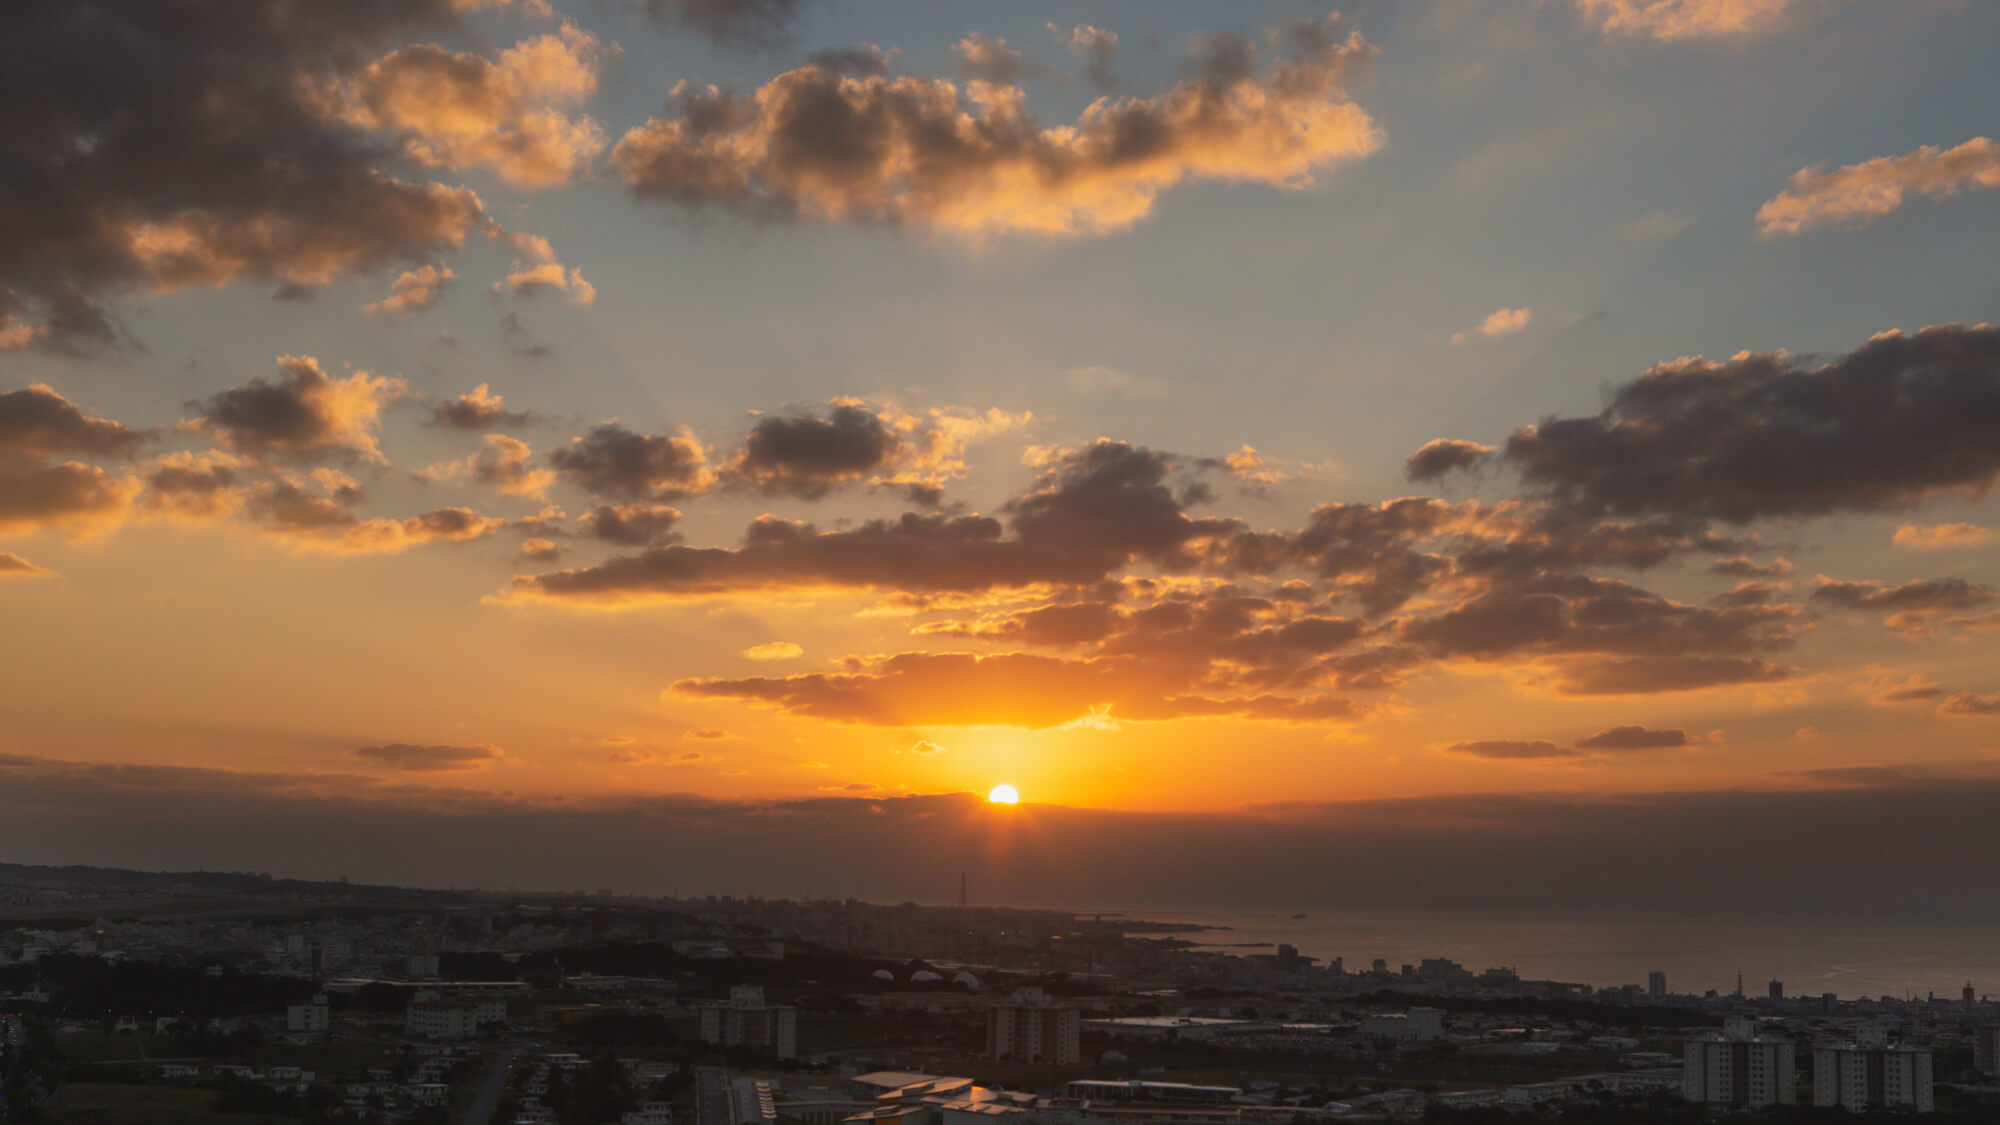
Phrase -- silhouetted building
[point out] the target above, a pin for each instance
(1656, 984)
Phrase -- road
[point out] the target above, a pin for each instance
(711, 1096)
(491, 1088)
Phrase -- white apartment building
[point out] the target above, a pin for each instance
(1030, 1029)
(1859, 1079)
(1740, 1068)
(747, 1021)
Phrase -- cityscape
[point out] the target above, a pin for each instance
(943, 562)
(261, 999)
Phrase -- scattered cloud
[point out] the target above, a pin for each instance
(774, 650)
(819, 143)
(1940, 536)
(615, 462)
(308, 415)
(508, 114)
(1678, 20)
(1510, 750)
(1635, 738)
(479, 411)
(1096, 48)
(414, 290)
(428, 759)
(1858, 194)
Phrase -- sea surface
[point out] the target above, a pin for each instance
(1811, 956)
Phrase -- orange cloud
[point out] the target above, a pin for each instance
(1859, 194)
(459, 110)
(308, 415)
(916, 689)
(414, 290)
(1671, 20)
(822, 144)
(14, 566)
(1937, 537)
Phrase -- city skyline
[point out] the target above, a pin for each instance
(1480, 449)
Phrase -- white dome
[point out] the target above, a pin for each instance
(924, 975)
(966, 979)
(884, 974)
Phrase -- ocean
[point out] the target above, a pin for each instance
(1810, 955)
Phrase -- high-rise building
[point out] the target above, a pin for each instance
(1777, 990)
(1859, 1079)
(1656, 984)
(1986, 1049)
(746, 1021)
(1028, 1028)
(1740, 1068)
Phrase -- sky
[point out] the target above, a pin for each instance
(1513, 429)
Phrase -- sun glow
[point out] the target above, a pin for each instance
(1004, 795)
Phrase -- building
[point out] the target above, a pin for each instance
(1740, 1068)
(1415, 1025)
(1859, 1079)
(1122, 1092)
(1986, 1049)
(311, 1018)
(432, 1018)
(746, 1021)
(1776, 990)
(1030, 1029)
(1656, 984)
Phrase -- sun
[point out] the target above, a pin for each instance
(1004, 795)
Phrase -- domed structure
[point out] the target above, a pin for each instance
(884, 974)
(967, 979)
(924, 976)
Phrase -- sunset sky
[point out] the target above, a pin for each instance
(1253, 410)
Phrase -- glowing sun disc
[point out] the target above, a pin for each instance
(1004, 795)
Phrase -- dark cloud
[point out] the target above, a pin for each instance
(1652, 675)
(1764, 435)
(308, 415)
(831, 144)
(478, 412)
(915, 689)
(39, 422)
(1092, 513)
(737, 23)
(1635, 738)
(632, 525)
(807, 455)
(428, 759)
(1510, 750)
(1916, 595)
(614, 462)
(1443, 457)
(155, 146)
(73, 495)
